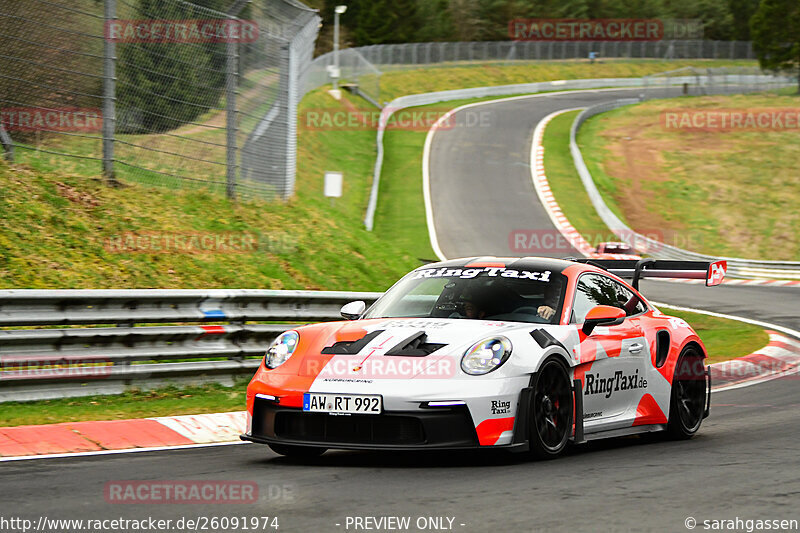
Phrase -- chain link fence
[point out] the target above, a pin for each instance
(354, 69)
(362, 66)
(411, 55)
(710, 81)
(163, 92)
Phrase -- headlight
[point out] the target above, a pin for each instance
(485, 356)
(282, 349)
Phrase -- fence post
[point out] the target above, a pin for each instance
(109, 94)
(8, 144)
(291, 116)
(231, 61)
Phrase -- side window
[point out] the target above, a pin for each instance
(632, 304)
(592, 290)
(596, 290)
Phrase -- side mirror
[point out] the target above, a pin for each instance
(353, 310)
(602, 315)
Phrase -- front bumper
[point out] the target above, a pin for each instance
(423, 429)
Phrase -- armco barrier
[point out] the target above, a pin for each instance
(61, 362)
(737, 267)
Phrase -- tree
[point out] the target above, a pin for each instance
(775, 28)
(164, 85)
(436, 24)
(386, 21)
(742, 11)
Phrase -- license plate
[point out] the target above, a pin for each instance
(357, 404)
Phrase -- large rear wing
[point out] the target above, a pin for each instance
(712, 272)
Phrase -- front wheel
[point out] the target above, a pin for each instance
(688, 399)
(551, 411)
(298, 452)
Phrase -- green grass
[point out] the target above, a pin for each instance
(730, 193)
(724, 339)
(56, 227)
(169, 401)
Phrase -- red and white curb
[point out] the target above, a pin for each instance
(542, 187)
(572, 235)
(118, 436)
(781, 357)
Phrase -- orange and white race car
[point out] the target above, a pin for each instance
(526, 354)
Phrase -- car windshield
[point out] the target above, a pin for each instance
(475, 293)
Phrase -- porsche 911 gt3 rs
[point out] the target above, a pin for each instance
(526, 354)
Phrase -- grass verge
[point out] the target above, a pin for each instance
(59, 229)
(169, 401)
(724, 339)
(728, 192)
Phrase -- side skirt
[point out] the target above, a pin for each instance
(623, 432)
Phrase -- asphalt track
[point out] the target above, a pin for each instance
(742, 464)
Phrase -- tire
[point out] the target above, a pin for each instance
(297, 452)
(688, 397)
(551, 410)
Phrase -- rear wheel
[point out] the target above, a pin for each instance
(551, 410)
(688, 401)
(299, 452)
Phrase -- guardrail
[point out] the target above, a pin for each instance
(737, 267)
(62, 362)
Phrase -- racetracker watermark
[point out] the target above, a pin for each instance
(69, 367)
(57, 120)
(400, 119)
(182, 31)
(533, 241)
(360, 367)
(766, 119)
(181, 492)
(165, 242)
(604, 29)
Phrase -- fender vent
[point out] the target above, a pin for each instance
(662, 347)
(415, 346)
(351, 347)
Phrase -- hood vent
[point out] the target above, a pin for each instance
(351, 347)
(415, 346)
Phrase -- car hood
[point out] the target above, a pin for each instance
(396, 348)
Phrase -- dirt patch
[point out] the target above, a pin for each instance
(76, 196)
(634, 162)
(638, 163)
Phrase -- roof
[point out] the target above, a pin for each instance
(517, 263)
